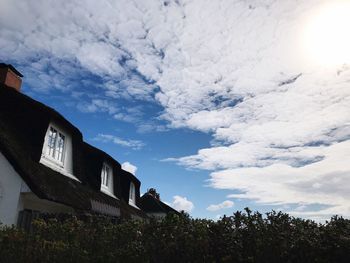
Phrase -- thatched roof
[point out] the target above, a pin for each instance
(151, 204)
(23, 125)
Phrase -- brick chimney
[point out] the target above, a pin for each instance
(10, 76)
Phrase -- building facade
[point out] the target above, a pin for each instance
(46, 167)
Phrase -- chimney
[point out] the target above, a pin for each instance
(153, 192)
(10, 76)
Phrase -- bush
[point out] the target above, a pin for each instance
(243, 237)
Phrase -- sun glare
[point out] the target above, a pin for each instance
(327, 34)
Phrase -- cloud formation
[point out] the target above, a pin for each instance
(182, 204)
(223, 205)
(97, 105)
(234, 69)
(129, 167)
(133, 144)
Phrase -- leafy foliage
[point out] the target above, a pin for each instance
(243, 237)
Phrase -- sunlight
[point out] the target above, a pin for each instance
(326, 36)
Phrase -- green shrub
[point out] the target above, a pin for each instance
(243, 237)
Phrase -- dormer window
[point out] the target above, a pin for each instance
(107, 180)
(55, 145)
(105, 176)
(57, 151)
(132, 195)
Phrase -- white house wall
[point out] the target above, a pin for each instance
(10, 189)
(15, 196)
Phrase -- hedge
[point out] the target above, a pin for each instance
(243, 237)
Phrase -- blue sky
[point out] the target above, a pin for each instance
(233, 104)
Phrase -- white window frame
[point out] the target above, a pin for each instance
(51, 152)
(64, 164)
(105, 176)
(107, 180)
(132, 194)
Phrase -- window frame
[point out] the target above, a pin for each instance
(107, 182)
(132, 194)
(105, 176)
(50, 152)
(65, 166)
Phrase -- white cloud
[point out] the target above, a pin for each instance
(150, 127)
(223, 205)
(324, 182)
(134, 144)
(129, 167)
(97, 105)
(181, 203)
(87, 36)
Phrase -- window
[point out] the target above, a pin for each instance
(107, 180)
(105, 175)
(132, 193)
(57, 150)
(55, 145)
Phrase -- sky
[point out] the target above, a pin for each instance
(219, 105)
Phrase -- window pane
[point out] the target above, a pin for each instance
(103, 175)
(107, 176)
(60, 147)
(51, 142)
(132, 192)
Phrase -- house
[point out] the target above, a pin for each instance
(46, 167)
(150, 203)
